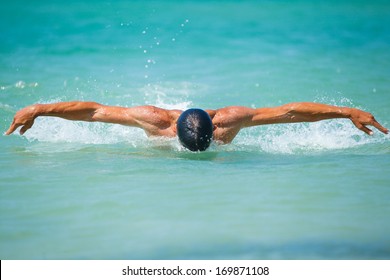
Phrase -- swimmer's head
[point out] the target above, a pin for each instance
(195, 129)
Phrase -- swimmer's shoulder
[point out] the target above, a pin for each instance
(211, 112)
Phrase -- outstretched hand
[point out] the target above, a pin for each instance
(361, 119)
(23, 118)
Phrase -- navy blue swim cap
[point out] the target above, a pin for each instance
(195, 129)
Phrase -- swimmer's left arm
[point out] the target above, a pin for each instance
(312, 112)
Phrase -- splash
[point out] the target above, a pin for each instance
(301, 138)
(164, 95)
(19, 85)
(308, 138)
(57, 130)
(169, 95)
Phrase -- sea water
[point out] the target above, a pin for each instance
(74, 190)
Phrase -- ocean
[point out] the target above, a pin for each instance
(74, 190)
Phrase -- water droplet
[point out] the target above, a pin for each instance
(20, 84)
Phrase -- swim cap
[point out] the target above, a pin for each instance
(195, 129)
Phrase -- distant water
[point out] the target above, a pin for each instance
(72, 190)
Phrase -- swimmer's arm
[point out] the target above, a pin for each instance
(312, 112)
(142, 116)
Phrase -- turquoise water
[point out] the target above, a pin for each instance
(72, 190)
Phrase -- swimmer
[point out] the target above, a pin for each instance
(195, 128)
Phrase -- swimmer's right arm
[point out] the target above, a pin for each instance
(74, 110)
(85, 111)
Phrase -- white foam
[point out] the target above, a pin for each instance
(57, 130)
(308, 137)
(298, 138)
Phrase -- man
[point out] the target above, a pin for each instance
(195, 128)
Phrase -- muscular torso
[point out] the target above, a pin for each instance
(227, 121)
